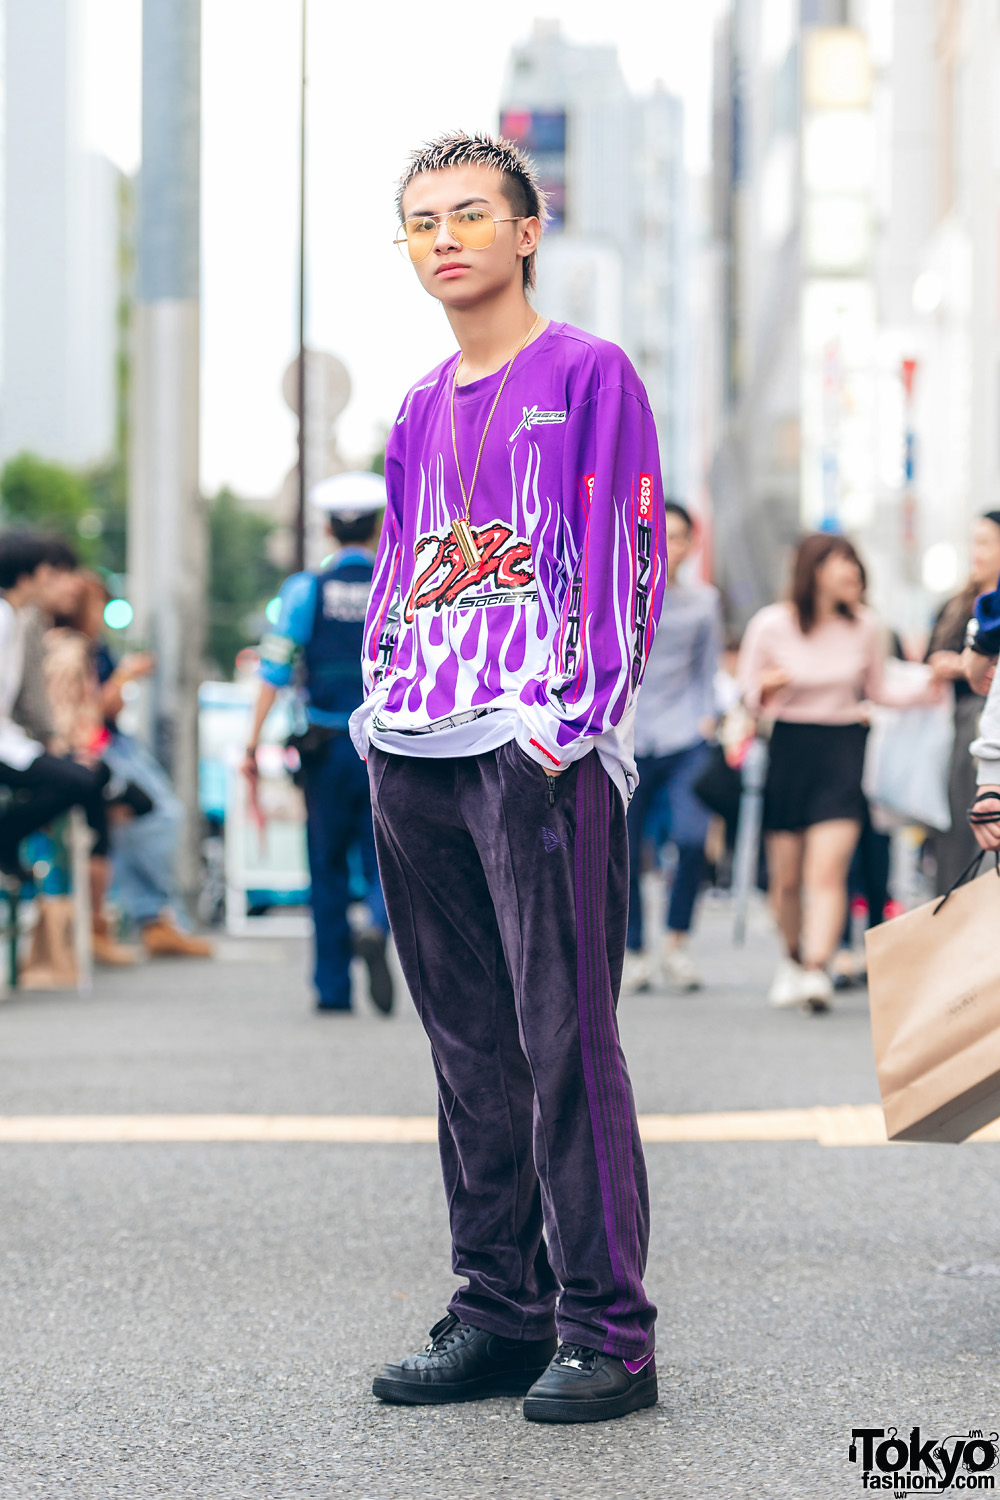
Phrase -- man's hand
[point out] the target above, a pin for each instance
(987, 802)
(978, 670)
(249, 766)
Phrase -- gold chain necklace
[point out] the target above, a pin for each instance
(460, 526)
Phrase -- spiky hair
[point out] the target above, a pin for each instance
(519, 176)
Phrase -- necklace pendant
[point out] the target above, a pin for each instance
(462, 532)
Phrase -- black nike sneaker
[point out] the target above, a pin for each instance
(584, 1385)
(370, 944)
(462, 1363)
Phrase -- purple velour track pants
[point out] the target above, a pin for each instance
(508, 897)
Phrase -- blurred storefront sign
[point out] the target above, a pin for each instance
(542, 133)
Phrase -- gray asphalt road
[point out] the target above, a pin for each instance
(205, 1320)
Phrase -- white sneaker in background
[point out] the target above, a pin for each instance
(815, 989)
(639, 973)
(786, 987)
(679, 967)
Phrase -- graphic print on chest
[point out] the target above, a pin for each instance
(443, 579)
(534, 418)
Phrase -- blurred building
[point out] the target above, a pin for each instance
(59, 247)
(854, 256)
(613, 260)
(954, 292)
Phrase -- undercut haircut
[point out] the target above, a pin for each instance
(518, 174)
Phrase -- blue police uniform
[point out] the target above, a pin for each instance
(318, 640)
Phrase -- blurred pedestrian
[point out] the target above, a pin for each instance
(143, 850)
(674, 719)
(514, 603)
(318, 636)
(810, 666)
(954, 849)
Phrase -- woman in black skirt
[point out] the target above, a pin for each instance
(811, 666)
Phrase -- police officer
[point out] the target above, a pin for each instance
(317, 643)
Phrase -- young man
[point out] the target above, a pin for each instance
(36, 570)
(675, 716)
(317, 639)
(516, 589)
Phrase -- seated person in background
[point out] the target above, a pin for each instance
(31, 709)
(85, 688)
(39, 570)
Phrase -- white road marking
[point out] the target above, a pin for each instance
(834, 1125)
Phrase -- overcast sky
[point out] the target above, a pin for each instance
(382, 78)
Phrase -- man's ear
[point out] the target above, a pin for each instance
(529, 237)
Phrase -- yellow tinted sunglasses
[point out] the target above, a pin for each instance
(473, 228)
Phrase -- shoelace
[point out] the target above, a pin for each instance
(445, 1334)
(577, 1355)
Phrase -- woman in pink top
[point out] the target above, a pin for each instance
(812, 665)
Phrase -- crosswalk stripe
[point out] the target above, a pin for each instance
(835, 1125)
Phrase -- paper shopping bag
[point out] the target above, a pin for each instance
(934, 987)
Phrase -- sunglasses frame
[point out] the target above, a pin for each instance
(403, 243)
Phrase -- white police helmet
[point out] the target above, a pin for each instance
(349, 496)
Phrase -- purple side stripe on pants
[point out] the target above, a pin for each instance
(607, 1093)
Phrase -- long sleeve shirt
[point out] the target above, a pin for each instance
(678, 689)
(545, 639)
(834, 670)
(985, 749)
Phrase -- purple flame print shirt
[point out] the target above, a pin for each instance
(545, 639)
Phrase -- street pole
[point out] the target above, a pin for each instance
(167, 522)
(300, 514)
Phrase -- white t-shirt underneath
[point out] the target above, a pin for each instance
(17, 749)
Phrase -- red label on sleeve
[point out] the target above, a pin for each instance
(645, 495)
(588, 484)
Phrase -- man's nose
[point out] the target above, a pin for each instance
(445, 239)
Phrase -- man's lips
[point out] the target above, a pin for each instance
(451, 268)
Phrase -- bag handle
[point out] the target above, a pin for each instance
(968, 874)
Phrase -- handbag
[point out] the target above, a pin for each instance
(720, 786)
(309, 745)
(934, 989)
(908, 758)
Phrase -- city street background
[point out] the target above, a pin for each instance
(206, 1319)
